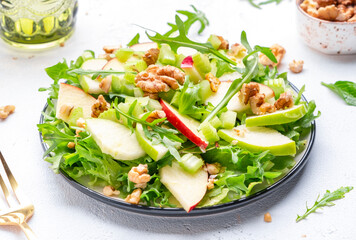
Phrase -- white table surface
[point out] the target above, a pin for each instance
(61, 212)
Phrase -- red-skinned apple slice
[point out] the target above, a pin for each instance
(187, 188)
(185, 124)
(188, 67)
(143, 47)
(73, 97)
(114, 64)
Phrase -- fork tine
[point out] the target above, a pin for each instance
(9, 200)
(11, 178)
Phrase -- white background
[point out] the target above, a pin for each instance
(61, 212)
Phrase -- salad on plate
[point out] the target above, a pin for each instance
(174, 122)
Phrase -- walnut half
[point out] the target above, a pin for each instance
(5, 111)
(278, 51)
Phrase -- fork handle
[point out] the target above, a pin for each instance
(28, 231)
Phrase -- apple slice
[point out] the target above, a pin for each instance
(257, 139)
(72, 96)
(235, 104)
(143, 47)
(155, 151)
(89, 85)
(114, 64)
(187, 188)
(185, 124)
(114, 139)
(188, 67)
(279, 117)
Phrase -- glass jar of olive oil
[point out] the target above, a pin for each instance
(37, 24)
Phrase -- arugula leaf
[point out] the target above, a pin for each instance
(96, 73)
(345, 89)
(183, 41)
(192, 17)
(134, 40)
(325, 201)
(258, 5)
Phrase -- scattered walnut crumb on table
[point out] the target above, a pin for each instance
(304, 235)
(296, 66)
(5, 111)
(267, 217)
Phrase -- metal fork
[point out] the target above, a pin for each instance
(19, 211)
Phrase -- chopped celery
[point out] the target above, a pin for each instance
(75, 114)
(202, 63)
(215, 41)
(122, 85)
(228, 119)
(87, 54)
(278, 86)
(125, 108)
(209, 132)
(122, 54)
(191, 163)
(137, 66)
(215, 122)
(204, 90)
(179, 59)
(109, 114)
(166, 55)
(138, 92)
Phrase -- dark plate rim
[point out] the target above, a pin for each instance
(178, 212)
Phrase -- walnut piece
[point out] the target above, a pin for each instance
(105, 84)
(156, 114)
(99, 106)
(214, 82)
(247, 91)
(151, 56)
(328, 13)
(284, 101)
(224, 43)
(5, 111)
(278, 51)
(157, 79)
(213, 168)
(267, 217)
(111, 49)
(324, 3)
(65, 110)
(139, 175)
(237, 50)
(134, 197)
(107, 56)
(110, 191)
(71, 145)
(259, 106)
(296, 66)
(344, 13)
(210, 184)
(81, 122)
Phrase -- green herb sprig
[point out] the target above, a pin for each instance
(96, 73)
(345, 89)
(325, 201)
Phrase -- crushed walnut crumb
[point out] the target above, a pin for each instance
(224, 45)
(99, 106)
(5, 111)
(111, 49)
(210, 184)
(134, 197)
(296, 66)
(213, 168)
(110, 191)
(71, 145)
(151, 56)
(105, 84)
(156, 114)
(267, 217)
(214, 82)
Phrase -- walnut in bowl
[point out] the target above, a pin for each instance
(328, 26)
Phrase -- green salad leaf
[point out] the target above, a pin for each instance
(325, 201)
(345, 89)
(192, 17)
(96, 73)
(183, 41)
(134, 40)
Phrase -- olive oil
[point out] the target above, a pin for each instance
(37, 24)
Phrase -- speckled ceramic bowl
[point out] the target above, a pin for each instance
(325, 36)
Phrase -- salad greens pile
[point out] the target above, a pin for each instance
(213, 136)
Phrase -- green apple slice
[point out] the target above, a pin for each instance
(114, 139)
(155, 151)
(89, 85)
(257, 139)
(279, 117)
